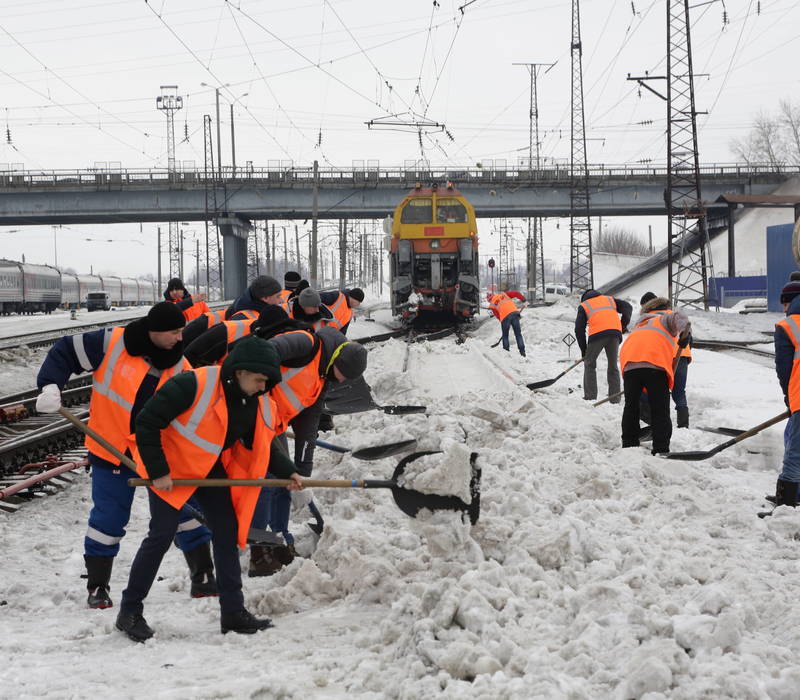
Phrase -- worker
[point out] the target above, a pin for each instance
(128, 364)
(681, 374)
(648, 358)
(607, 319)
(506, 311)
(212, 422)
(291, 279)
(191, 307)
(309, 361)
(196, 327)
(341, 305)
(308, 307)
(263, 291)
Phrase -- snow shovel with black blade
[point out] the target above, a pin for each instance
(548, 382)
(411, 502)
(697, 455)
(254, 535)
(368, 454)
(355, 396)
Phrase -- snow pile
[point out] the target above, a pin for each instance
(447, 473)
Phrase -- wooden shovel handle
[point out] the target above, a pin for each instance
(319, 483)
(80, 425)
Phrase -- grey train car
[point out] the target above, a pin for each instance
(70, 291)
(26, 288)
(130, 292)
(113, 286)
(147, 292)
(89, 283)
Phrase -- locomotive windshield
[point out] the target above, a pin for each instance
(417, 211)
(450, 211)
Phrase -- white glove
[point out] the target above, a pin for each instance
(49, 401)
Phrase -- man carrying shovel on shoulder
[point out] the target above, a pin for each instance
(211, 422)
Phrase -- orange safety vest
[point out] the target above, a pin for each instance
(685, 352)
(194, 440)
(601, 315)
(342, 313)
(237, 329)
(319, 323)
(504, 304)
(299, 387)
(196, 310)
(214, 317)
(790, 325)
(651, 342)
(249, 314)
(114, 386)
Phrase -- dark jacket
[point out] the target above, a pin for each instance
(245, 302)
(624, 309)
(182, 304)
(784, 350)
(296, 312)
(176, 396)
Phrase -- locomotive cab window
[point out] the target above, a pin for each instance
(450, 211)
(417, 211)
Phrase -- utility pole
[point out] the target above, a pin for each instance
(580, 225)
(312, 258)
(272, 256)
(160, 287)
(690, 265)
(297, 249)
(170, 102)
(285, 252)
(233, 145)
(214, 260)
(219, 140)
(535, 248)
(342, 252)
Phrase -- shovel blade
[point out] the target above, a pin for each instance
(402, 410)
(542, 384)
(411, 502)
(692, 456)
(381, 451)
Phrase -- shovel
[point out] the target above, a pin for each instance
(548, 382)
(394, 410)
(254, 535)
(411, 502)
(368, 454)
(697, 455)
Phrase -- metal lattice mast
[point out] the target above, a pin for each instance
(253, 263)
(170, 102)
(690, 264)
(580, 226)
(213, 248)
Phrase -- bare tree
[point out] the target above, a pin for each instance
(621, 241)
(789, 117)
(766, 141)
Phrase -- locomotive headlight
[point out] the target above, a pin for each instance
(434, 244)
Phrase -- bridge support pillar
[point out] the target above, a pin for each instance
(234, 232)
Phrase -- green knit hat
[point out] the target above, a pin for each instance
(255, 355)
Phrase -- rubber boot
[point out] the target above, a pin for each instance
(263, 561)
(683, 416)
(201, 568)
(786, 493)
(98, 574)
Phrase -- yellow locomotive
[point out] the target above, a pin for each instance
(434, 254)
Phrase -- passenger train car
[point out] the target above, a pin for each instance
(26, 288)
(434, 254)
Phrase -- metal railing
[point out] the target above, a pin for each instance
(283, 173)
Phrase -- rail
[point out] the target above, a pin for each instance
(17, 176)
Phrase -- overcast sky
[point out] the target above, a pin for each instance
(79, 80)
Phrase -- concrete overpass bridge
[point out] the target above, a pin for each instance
(116, 195)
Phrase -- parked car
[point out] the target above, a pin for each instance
(97, 301)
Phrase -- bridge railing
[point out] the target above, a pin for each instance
(286, 174)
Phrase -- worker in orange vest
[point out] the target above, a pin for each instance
(506, 311)
(341, 305)
(128, 365)
(262, 291)
(681, 373)
(212, 422)
(308, 307)
(191, 307)
(648, 359)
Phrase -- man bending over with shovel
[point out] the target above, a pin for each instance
(211, 422)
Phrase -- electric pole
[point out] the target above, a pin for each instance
(170, 102)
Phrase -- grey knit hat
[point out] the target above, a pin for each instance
(309, 297)
(351, 360)
(264, 286)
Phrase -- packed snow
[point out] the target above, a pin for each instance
(593, 572)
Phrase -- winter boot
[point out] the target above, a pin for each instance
(98, 574)
(134, 625)
(263, 561)
(243, 622)
(201, 568)
(683, 416)
(786, 493)
(325, 422)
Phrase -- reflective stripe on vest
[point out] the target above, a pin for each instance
(792, 329)
(299, 387)
(237, 329)
(601, 314)
(652, 343)
(214, 317)
(249, 315)
(342, 313)
(189, 430)
(504, 305)
(686, 351)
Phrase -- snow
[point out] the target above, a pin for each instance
(593, 572)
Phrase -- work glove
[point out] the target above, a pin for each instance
(49, 401)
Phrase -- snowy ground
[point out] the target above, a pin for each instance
(593, 572)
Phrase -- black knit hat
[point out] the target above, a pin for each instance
(586, 294)
(290, 279)
(270, 314)
(165, 316)
(357, 294)
(264, 286)
(789, 292)
(794, 276)
(351, 359)
(175, 283)
(647, 296)
(254, 354)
